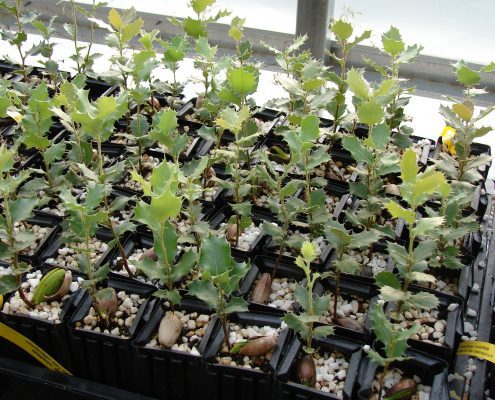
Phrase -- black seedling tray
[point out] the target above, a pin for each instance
(171, 374)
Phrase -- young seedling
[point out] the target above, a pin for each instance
(237, 123)
(174, 52)
(343, 241)
(19, 38)
(416, 189)
(81, 227)
(141, 66)
(286, 207)
(450, 234)
(96, 121)
(219, 279)
(191, 189)
(307, 154)
(165, 131)
(123, 28)
(394, 340)
(304, 81)
(394, 46)
(65, 103)
(83, 57)
(14, 209)
(343, 32)
(372, 152)
(165, 206)
(36, 125)
(51, 66)
(196, 29)
(314, 307)
(460, 165)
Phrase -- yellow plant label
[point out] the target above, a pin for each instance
(483, 350)
(32, 348)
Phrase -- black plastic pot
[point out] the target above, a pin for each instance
(432, 371)
(172, 374)
(102, 234)
(226, 212)
(378, 247)
(266, 264)
(98, 88)
(351, 287)
(226, 382)
(50, 336)
(44, 220)
(106, 358)
(287, 386)
(453, 329)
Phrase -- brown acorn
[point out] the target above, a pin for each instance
(150, 253)
(306, 370)
(349, 323)
(169, 330)
(199, 101)
(403, 390)
(63, 290)
(231, 232)
(262, 289)
(259, 346)
(109, 302)
(154, 103)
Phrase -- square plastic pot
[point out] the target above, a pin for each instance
(225, 382)
(286, 385)
(106, 358)
(432, 371)
(266, 264)
(167, 373)
(50, 336)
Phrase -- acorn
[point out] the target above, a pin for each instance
(199, 101)
(259, 346)
(107, 301)
(262, 289)
(169, 330)
(150, 253)
(349, 323)
(154, 103)
(306, 370)
(231, 232)
(403, 390)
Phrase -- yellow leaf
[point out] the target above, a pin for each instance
(448, 134)
(464, 110)
(308, 251)
(115, 19)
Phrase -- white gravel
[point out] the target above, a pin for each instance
(240, 333)
(47, 311)
(331, 372)
(282, 293)
(194, 326)
(67, 254)
(393, 377)
(247, 237)
(120, 322)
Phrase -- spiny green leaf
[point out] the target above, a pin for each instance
(343, 30)
(397, 211)
(392, 42)
(357, 84)
(408, 166)
(215, 256)
(370, 112)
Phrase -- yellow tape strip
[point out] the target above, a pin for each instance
(483, 350)
(30, 347)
